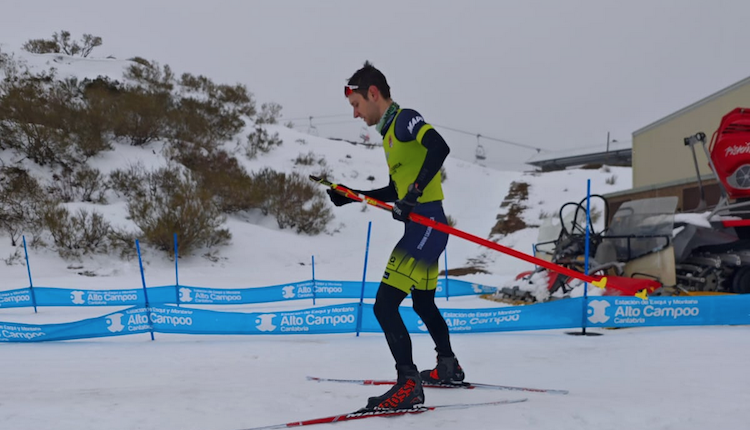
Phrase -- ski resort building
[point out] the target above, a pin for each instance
(663, 164)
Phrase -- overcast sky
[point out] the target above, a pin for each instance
(549, 74)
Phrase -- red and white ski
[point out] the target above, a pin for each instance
(369, 413)
(464, 385)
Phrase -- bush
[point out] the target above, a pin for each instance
(52, 122)
(128, 183)
(32, 118)
(61, 43)
(80, 234)
(22, 203)
(221, 174)
(170, 201)
(305, 159)
(294, 201)
(259, 141)
(611, 180)
(207, 113)
(269, 113)
(141, 116)
(83, 184)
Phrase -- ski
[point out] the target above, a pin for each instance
(464, 385)
(370, 413)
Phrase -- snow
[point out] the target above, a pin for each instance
(700, 220)
(685, 378)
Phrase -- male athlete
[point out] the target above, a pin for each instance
(414, 152)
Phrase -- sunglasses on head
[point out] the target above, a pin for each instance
(349, 89)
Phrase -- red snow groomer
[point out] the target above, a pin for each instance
(729, 153)
(701, 252)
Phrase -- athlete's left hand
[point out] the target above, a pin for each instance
(402, 208)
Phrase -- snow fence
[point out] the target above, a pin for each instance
(161, 317)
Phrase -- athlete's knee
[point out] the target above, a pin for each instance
(387, 301)
(423, 303)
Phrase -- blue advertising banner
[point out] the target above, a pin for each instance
(107, 325)
(46, 296)
(185, 294)
(567, 313)
(668, 311)
(19, 298)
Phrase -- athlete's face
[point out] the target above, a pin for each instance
(365, 108)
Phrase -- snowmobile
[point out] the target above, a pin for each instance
(696, 253)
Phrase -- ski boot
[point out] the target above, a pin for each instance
(446, 372)
(406, 394)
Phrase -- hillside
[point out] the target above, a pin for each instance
(267, 254)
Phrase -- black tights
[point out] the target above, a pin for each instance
(386, 306)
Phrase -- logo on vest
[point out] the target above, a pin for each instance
(414, 121)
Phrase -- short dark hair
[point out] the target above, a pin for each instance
(369, 75)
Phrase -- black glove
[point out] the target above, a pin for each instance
(339, 199)
(402, 208)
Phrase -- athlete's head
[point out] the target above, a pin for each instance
(368, 93)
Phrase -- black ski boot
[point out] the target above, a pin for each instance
(406, 394)
(447, 371)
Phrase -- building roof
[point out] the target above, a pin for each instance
(695, 105)
(620, 152)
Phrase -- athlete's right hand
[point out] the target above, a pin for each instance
(338, 199)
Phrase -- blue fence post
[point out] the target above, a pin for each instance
(28, 269)
(586, 257)
(313, 279)
(176, 273)
(145, 292)
(364, 276)
(446, 275)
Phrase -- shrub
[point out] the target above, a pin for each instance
(221, 174)
(61, 43)
(259, 141)
(305, 159)
(22, 203)
(141, 116)
(83, 184)
(611, 180)
(33, 118)
(269, 113)
(41, 46)
(208, 114)
(294, 201)
(174, 203)
(128, 183)
(76, 235)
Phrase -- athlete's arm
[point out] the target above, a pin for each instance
(385, 194)
(437, 152)
(411, 126)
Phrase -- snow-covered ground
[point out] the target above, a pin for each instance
(655, 378)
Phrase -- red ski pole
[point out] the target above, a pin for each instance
(600, 281)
